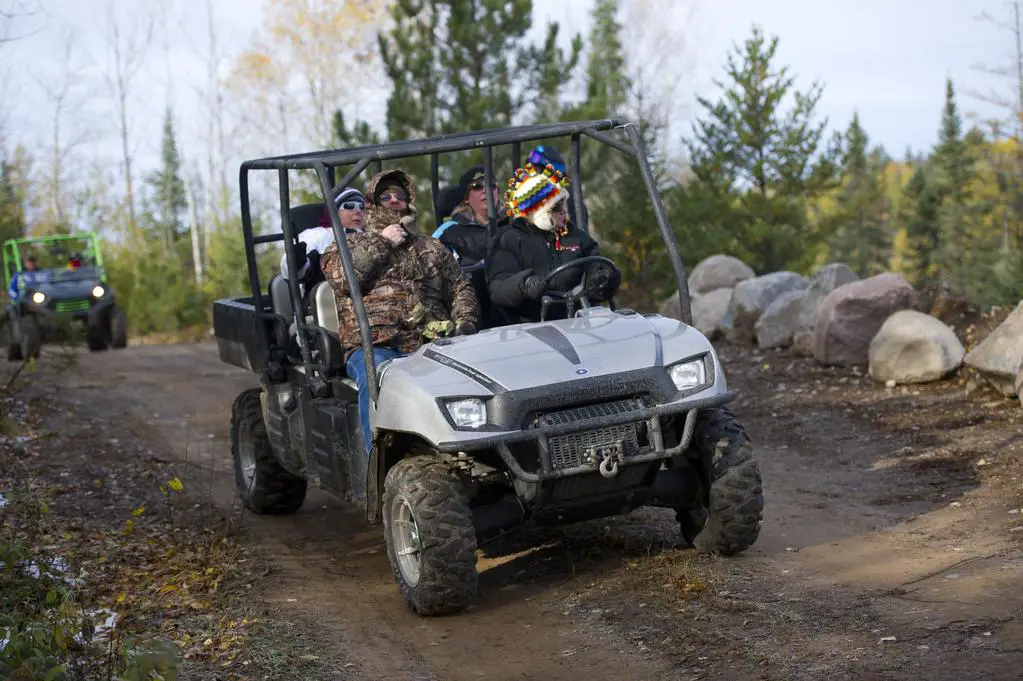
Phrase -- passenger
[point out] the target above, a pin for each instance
(412, 289)
(538, 240)
(31, 265)
(465, 233)
(350, 205)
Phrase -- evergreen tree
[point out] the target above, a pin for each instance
(922, 227)
(460, 65)
(861, 238)
(168, 202)
(757, 165)
(955, 169)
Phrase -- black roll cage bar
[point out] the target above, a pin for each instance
(324, 163)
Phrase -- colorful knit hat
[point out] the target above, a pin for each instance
(532, 192)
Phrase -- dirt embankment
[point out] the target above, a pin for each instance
(890, 546)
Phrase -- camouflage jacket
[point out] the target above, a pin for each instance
(394, 279)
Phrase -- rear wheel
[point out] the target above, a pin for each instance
(431, 542)
(263, 484)
(731, 523)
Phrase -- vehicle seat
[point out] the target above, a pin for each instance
(325, 316)
(280, 302)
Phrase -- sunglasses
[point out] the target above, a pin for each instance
(392, 196)
(478, 185)
(352, 205)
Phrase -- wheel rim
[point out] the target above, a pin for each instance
(407, 547)
(246, 458)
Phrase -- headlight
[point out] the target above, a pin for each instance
(688, 375)
(467, 413)
(38, 297)
(98, 291)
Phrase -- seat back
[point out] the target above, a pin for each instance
(325, 307)
(307, 215)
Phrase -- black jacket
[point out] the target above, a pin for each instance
(465, 238)
(520, 250)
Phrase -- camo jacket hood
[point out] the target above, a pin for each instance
(376, 217)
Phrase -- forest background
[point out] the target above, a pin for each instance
(756, 171)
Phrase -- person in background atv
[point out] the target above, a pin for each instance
(350, 206)
(465, 233)
(538, 240)
(31, 265)
(546, 154)
(74, 262)
(412, 289)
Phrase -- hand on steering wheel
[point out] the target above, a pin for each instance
(576, 294)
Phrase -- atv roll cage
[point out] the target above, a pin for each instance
(12, 261)
(357, 159)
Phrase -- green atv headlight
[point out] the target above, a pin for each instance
(38, 297)
(98, 291)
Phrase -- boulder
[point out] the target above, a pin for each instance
(672, 308)
(718, 271)
(851, 315)
(710, 310)
(998, 357)
(775, 327)
(752, 297)
(824, 282)
(1019, 383)
(913, 347)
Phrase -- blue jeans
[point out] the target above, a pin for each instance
(357, 371)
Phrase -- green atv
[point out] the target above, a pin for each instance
(56, 285)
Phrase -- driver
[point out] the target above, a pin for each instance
(536, 242)
(31, 265)
(412, 288)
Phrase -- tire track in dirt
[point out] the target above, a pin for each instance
(178, 398)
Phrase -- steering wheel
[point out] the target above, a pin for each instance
(570, 298)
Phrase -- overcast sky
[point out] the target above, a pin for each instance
(887, 59)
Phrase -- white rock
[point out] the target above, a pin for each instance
(913, 347)
(999, 356)
(718, 271)
(775, 327)
(709, 311)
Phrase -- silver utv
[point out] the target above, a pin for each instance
(587, 416)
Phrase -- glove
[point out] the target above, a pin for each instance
(602, 283)
(436, 329)
(465, 329)
(534, 287)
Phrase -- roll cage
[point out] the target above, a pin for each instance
(357, 159)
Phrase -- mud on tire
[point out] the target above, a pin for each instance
(425, 491)
(264, 486)
(731, 523)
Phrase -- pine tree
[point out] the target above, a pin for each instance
(922, 227)
(861, 238)
(460, 65)
(955, 169)
(168, 202)
(759, 165)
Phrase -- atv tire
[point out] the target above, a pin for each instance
(264, 485)
(118, 328)
(31, 337)
(431, 541)
(731, 523)
(97, 337)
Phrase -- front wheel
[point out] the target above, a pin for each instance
(431, 541)
(118, 328)
(731, 522)
(263, 484)
(31, 336)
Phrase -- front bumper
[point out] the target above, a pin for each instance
(88, 311)
(541, 438)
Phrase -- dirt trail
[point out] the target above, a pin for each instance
(859, 541)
